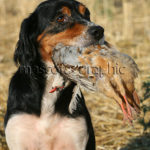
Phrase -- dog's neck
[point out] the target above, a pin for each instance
(54, 79)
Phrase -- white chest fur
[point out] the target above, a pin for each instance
(28, 132)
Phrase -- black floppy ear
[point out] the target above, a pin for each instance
(26, 52)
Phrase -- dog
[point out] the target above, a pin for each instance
(45, 110)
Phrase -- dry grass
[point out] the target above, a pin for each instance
(111, 134)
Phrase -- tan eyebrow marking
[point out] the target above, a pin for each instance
(82, 9)
(66, 10)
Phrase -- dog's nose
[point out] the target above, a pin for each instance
(97, 32)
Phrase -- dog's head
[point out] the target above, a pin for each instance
(60, 21)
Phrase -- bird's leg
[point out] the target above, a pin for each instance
(125, 114)
(58, 83)
(121, 88)
(129, 111)
(120, 103)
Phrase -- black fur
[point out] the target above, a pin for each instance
(62, 105)
(28, 83)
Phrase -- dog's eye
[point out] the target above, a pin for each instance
(61, 18)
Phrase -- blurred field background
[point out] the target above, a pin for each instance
(127, 26)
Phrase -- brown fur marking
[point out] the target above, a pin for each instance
(66, 11)
(40, 37)
(45, 48)
(82, 9)
(67, 37)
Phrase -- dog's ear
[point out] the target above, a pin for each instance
(26, 52)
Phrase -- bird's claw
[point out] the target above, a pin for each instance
(127, 116)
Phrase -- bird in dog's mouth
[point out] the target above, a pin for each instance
(101, 68)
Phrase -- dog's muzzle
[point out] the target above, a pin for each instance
(97, 32)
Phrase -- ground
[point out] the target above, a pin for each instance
(111, 133)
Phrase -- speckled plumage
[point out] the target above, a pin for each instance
(101, 68)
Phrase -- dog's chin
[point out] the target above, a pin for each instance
(102, 40)
(93, 42)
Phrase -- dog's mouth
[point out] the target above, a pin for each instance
(94, 43)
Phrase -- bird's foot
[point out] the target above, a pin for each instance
(129, 108)
(126, 116)
(56, 88)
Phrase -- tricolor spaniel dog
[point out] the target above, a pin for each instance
(45, 110)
